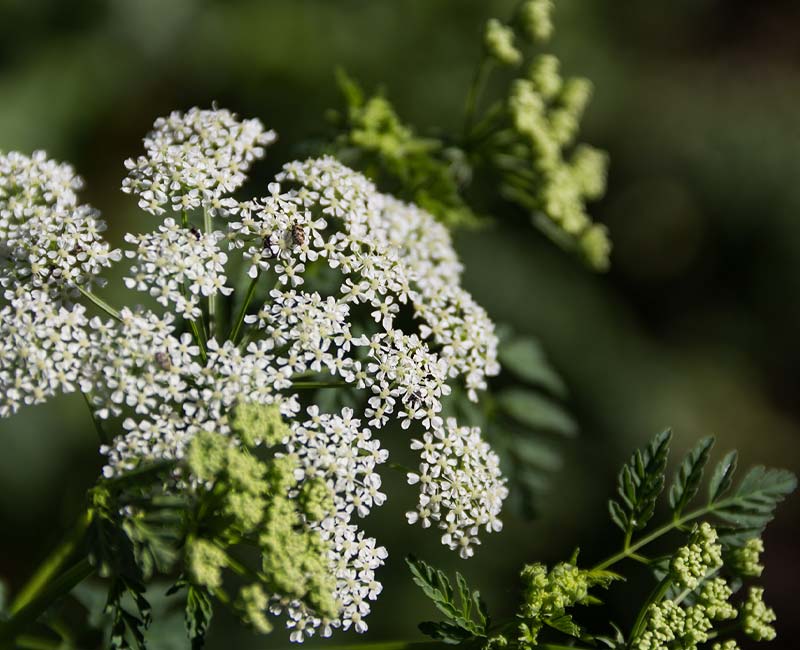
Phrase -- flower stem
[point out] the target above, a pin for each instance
(308, 385)
(33, 609)
(97, 426)
(475, 90)
(198, 338)
(51, 565)
(102, 304)
(212, 299)
(251, 290)
(631, 548)
(657, 595)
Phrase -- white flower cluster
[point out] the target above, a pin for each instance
(461, 487)
(178, 266)
(50, 246)
(47, 240)
(336, 449)
(366, 292)
(194, 159)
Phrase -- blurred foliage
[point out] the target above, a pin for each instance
(695, 325)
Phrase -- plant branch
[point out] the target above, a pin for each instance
(51, 565)
(251, 290)
(30, 612)
(212, 299)
(631, 549)
(102, 304)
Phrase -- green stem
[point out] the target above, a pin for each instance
(143, 471)
(30, 612)
(51, 565)
(102, 304)
(212, 299)
(26, 642)
(197, 337)
(630, 551)
(657, 595)
(306, 385)
(475, 89)
(97, 426)
(251, 290)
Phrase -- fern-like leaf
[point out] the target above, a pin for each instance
(639, 483)
(466, 612)
(689, 475)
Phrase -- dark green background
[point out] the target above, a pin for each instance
(695, 327)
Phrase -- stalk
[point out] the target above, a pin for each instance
(51, 565)
(212, 299)
(38, 605)
(475, 90)
(251, 290)
(630, 550)
(102, 304)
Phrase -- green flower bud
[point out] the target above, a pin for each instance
(595, 246)
(745, 560)
(257, 423)
(693, 562)
(498, 39)
(714, 597)
(254, 602)
(205, 563)
(535, 18)
(246, 472)
(730, 644)
(207, 455)
(544, 73)
(756, 616)
(316, 499)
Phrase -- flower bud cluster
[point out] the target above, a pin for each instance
(692, 563)
(757, 618)
(498, 39)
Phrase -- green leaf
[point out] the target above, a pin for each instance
(524, 358)
(445, 632)
(197, 615)
(536, 411)
(690, 473)
(467, 618)
(752, 506)
(722, 479)
(565, 624)
(639, 483)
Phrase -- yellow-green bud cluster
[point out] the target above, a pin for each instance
(205, 561)
(694, 561)
(714, 596)
(294, 557)
(757, 617)
(546, 111)
(263, 496)
(730, 644)
(253, 603)
(670, 625)
(746, 560)
(259, 423)
(535, 17)
(547, 595)
(498, 39)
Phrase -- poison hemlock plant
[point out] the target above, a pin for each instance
(243, 388)
(520, 145)
(703, 596)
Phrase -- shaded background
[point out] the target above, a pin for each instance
(695, 326)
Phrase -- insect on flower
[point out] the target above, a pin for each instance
(298, 235)
(163, 360)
